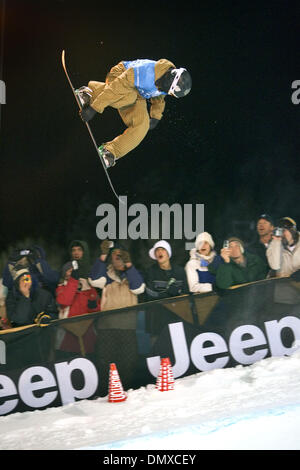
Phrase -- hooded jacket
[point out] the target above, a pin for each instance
(39, 268)
(84, 264)
(284, 259)
(76, 297)
(23, 310)
(200, 278)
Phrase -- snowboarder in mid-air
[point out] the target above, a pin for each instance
(128, 86)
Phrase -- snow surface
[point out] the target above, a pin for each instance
(250, 408)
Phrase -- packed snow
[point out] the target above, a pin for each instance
(251, 408)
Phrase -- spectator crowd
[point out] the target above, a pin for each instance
(34, 293)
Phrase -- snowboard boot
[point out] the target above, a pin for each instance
(84, 95)
(108, 157)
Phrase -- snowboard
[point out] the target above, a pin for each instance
(63, 60)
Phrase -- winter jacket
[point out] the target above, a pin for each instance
(230, 274)
(164, 283)
(199, 278)
(260, 249)
(119, 289)
(40, 270)
(73, 302)
(283, 259)
(120, 90)
(25, 311)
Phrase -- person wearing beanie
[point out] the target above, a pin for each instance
(164, 279)
(114, 273)
(27, 303)
(34, 259)
(264, 229)
(199, 278)
(239, 266)
(283, 253)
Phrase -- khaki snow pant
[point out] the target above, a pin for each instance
(135, 117)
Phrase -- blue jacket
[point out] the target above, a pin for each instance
(40, 270)
(99, 277)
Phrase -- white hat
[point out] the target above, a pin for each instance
(204, 237)
(160, 244)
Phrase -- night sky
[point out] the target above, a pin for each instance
(231, 144)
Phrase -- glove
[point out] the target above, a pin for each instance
(87, 113)
(105, 247)
(172, 288)
(92, 304)
(35, 252)
(125, 256)
(153, 123)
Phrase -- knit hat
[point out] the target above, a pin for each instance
(288, 223)
(160, 244)
(17, 273)
(204, 237)
(236, 239)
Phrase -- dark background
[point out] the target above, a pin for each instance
(231, 144)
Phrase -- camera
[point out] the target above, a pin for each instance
(27, 278)
(75, 264)
(278, 232)
(25, 252)
(226, 244)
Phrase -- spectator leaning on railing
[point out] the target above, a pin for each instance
(114, 273)
(283, 253)
(32, 258)
(27, 303)
(164, 278)
(264, 229)
(239, 267)
(74, 294)
(200, 279)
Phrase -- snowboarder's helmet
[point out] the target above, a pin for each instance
(181, 84)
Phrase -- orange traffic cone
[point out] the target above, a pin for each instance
(115, 391)
(165, 379)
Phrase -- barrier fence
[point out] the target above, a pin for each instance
(68, 360)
